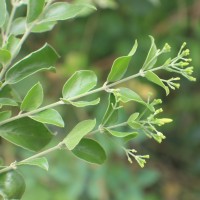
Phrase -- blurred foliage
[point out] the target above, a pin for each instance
(93, 41)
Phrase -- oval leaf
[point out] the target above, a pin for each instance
(49, 116)
(133, 117)
(5, 115)
(78, 132)
(43, 27)
(5, 56)
(7, 102)
(81, 104)
(33, 98)
(79, 83)
(3, 12)
(155, 79)
(42, 59)
(34, 9)
(90, 151)
(39, 162)
(26, 133)
(120, 65)
(12, 44)
(121, 134)
(12, 185)
(18, 26)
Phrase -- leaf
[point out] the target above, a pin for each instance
(35, 8)
(64, 11)
(12, 44)
(43, 27)
(7, 102)
(39, 162)
(26, 133)
(49, 116)
(120, 65)
(79, 83)
(5, 115)
(129, 137)
(121, 134)
(134, 124)
(80, 104)
(78, 132)
(151, 76)
(18, 26)
(12, 185)
(3, 12)
(111, 114)
(40, 60)
(90, 151)
(133, 117)
(5, 56)
(33, 98)
(151, 57)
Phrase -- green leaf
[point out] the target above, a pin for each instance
(33, 98)
(3, 12)
(90, 151)
(120, 65)
(26, 133)
(112, 112)
(7, 102)
(18, 26)
(35, 8)
(151, 76)
(121, 134)
(39, 162)
(5, 56)
(129, 137)
(49, 116)
(40, 60)
(134, 125)
(43, 27)
(5, 115)
(133, 117)
(12, 44)
(64, 11)
(12, 185)
(80, 104)
(78, 132)
(79, 83)
(151, 57)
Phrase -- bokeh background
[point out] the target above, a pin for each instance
(92, 41)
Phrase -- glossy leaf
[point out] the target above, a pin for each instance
(33, 98)
(90, 151)
(78, 132)
(80, 104)
(79, 83)
(12, 44)
(5, 115)
(12, 185)
(5, 56)
(3, 12)
(43, 27)
(7, 102)
(40, 60)
(121, 134)
(26, 133)
(63, 11)
(155, 79)
(151, 56)
(120, 65)
(49, 116)
(18, 26)
(39, 162)
(35, 8)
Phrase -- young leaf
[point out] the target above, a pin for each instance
(26, 133)
(90, 151)
(151, 57)
(18, 26)
(12, 44)
(155, 79)
(63, 11)
(134, 124)
(42, 59)
(34, 9)
(79, 83)
(5, 115)
(120, 65)
(3, 12)
(7, 102)
(33, 98)
(39, 162)
(78, 132)
(121, 134)
(133, 117)
(5, 56)
(49, 116)
(12, 185)
(81, 104)
(43, 27)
